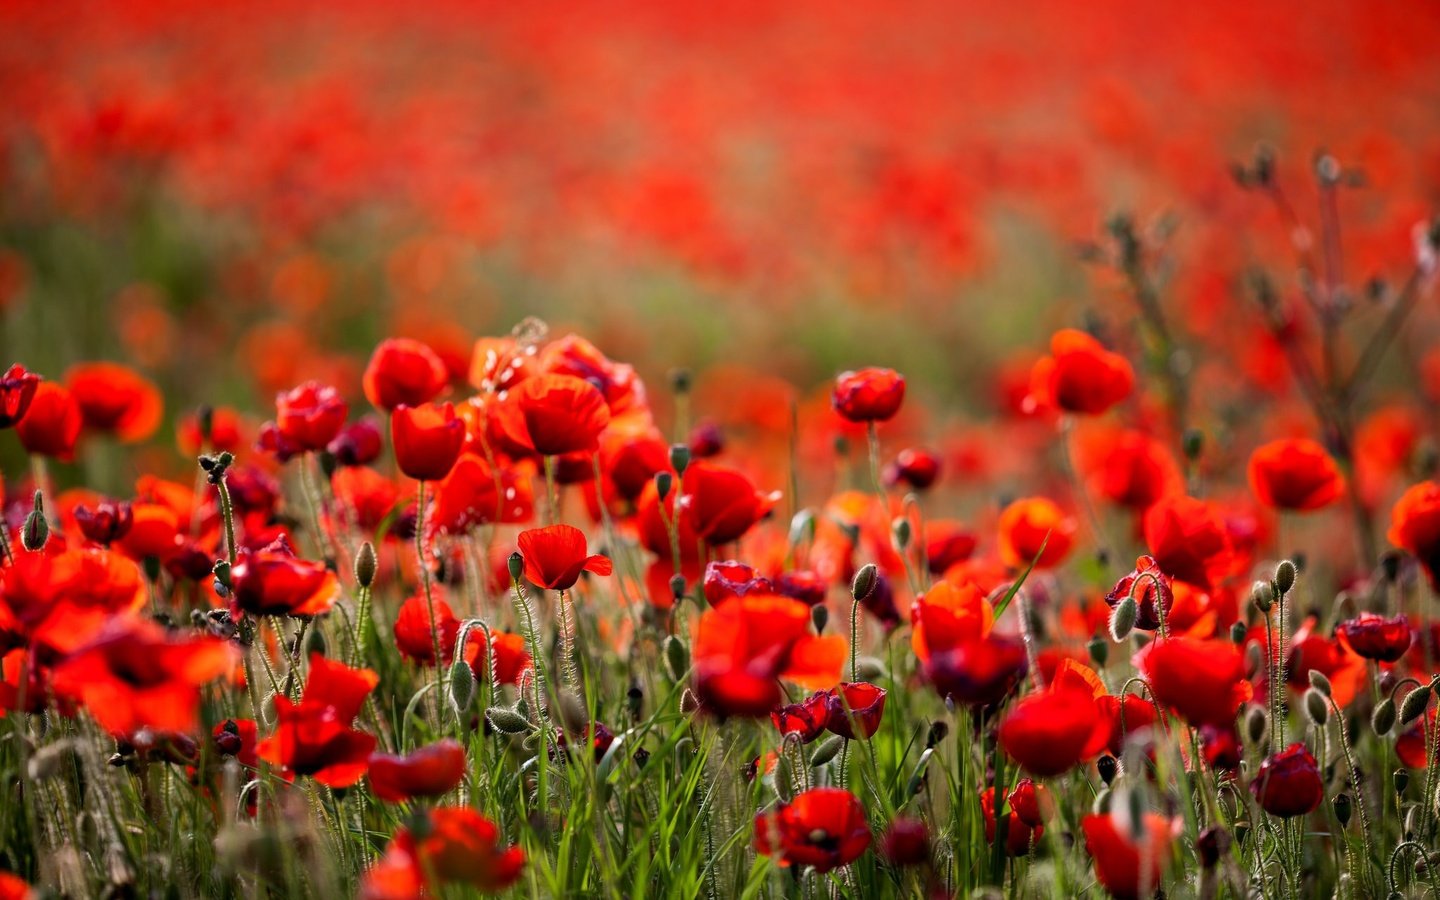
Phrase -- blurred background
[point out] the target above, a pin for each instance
(233, 197)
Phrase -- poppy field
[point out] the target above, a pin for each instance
(742, 450)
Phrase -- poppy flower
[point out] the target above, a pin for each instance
(906, 842)
(1221, 747)
(314, 737)
(403, 372)
(1122, 718)
(617, 382)
(1030, 523)
(1024, 827)
(511, 658)
(52, 424)
(135, 675)
(803, 585)
(115, 399)
(427, 440)
(1079, 375)
(806, 719)
(868, 395)
(1202, 681)
(308, 417)
(415, 634)
(13, 887)
(743, 646)
(913, 466)
(357, 444)
(947, 544)
(1129, 869)
(17, 390)
(1295, 474)
(425, 772)
(1288, 783)
(272, 581)
(1151, 589)
(1415, 525)
(105, 522)
(1047, 733)
(630, 459)
(555, 557)
(724, 579)
(823, 827)
(1189, 540)
(946, 615)
(1132, 469)
(364, 496)
(224, 426)
(458, 846)
(855, 710)
(979, 671)
(1376, 637)
(721, 504)
(1331, 657)
(551, 415)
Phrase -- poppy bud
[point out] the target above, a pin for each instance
(900, 533)
(1383, 719)
(1099, 651)
(1320, 682)
(680, 380)
(365, 565)
(677, 657)
(1262, 595)
(462, 685)
(784, 777)
(1193, 442)
(315, 643)
(1122, 619)
(36, 531)
(677, 587)
(1342, 808)
(506, 720)
(865, 580)
(1256, 724)
(819, 617)
(1401, 780)
(679, 458)
(1284, 577)
(516, 564)
(635, 700)
(227, 739)
(572, 711)
(1108, 766)
(663, 483)
(1316, 708)
(1238, 632)
(1413, 706)
(689, 703)
(826, 750)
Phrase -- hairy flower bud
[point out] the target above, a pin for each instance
(1413, 706)
(865, 580)
(677, 657)
(1262, 595)
(36, 530)
(1099, 651)
(1122, 619)
(1383, 718)
(1316, 709)
(1257, 723)
(506, 720)
(1320, 682)
(1285, 577)
(826, 751)
(365, 565)
(516, 565)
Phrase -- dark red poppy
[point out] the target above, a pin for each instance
(721, 504)
(52, 424)
(115, 399)
(1414, 525)
(415, 633)
(308, 417)
(425, 772)
(551, 415)
(806, 719)
(404, 372)
(272, 581)
(1047, 733)
(457, 846)
(1020, 831)
(427, 440)
(906, 842)
(105, 522)
(706, 440)
(855, 709)
(1127, 868)
(1123, 718)
(1221, 747)
(1189, 541)
(237, 738)
(1288, 783)
(17, 389)
(314, 737)
(868, 395)
(1202, 681)
(804, 585)
(946, 544)
(1376, 637)
(724, 579)
(358, 444)
(1295, 474)
(823, 827)
(1031, 523)
(913, 466)
(1080, 376)
(1133, 470)
(978, 672)
(744, 645)
(555, 557)
(1148, 586)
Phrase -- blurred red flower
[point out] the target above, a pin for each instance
(743, 646)
(17, 390)
(1295, 474)
(458, 845)
(1048, 732)
(1126, 867)
(721, 504)
(427, 440)
(1415, 526)
(314, 737)
(308, 417)
(115, 399)
(424, 772)
(1202, 681)
(550, 415)
(823, 827)
(1079, 375)
(52, 425)
(272, 581)
(1288, 783)
(1030, 523)
(403, 372)
(868, 395)
(414, 631)
(1189, 541)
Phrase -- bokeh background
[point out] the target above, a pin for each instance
(236, 196)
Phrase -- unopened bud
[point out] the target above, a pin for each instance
(1256, 724)
(865, 580)
(1413, 706)
(663, 482)
(900, 533)
(1262, 595)
(36, 530)
(819, 617)
(1108, 766)
(679, 458)
(365, 565)
(462, 685)
(677, 657)
(1342, 806)
(506, 720)
(1099, 651)
(826, 751)
(516, 564)
(1320, 682)
(1122, 619)
(1284, 577)
(1238, 631)
(677, 587)
(1383, 718)
(1401, 780)
(1316, 708)
(1193, 442)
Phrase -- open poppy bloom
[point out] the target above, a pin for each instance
(415, 634)
(404, 372)
(950, 633)
(17, 389)
(57, 600)
(868, 395)
(1030, 523)
(1079, 375)
(806, 719)
(855, 709)
(459, 846)
(1415, 526)
(743, 646)
(1028, 811)
(365, 497)
(1288, 783)
(1376, 637)
(135, 675)
(1127, 868)
(555, 557)
(424, 772)
(1202, 681)
(1295, 474)
(1151, 590)
(314, 737)
(358, 443)
(823, 827)
(720, 504)
(1131, 469)
(913, 466)
(724, 579)
(617, 382)
(115, 399)
(272, 581)
(1048, 733)
(1189, 541)
(52, 423)
(551, 415)
(308, 417)
(105, 522)
(427, 440)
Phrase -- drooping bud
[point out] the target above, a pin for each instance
(1285, 577)
(462, 685)
(679, 458)
(36, 530)
(865, 580)
(365, 565)
(1342, 808)
(900, 533)
(1256, 724)
(1122, 619)
(1413, 706)
(1099, 651)
(1383, 718)
(826, 751)
(1316, 709)
(819, 617)
(677, 657)
(1320, 682)
(516, 564)
(507, 720)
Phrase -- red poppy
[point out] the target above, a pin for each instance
(52, 424)
(868, 395)
(57, 600)
(415, 633)
(1122, 718)
(630, 457)
(1331, 657)
(1189, 541)
(225, 426)
(1221, 747)
(555, 557)
(653, 518)
(13, 887)
(855, 709)
(404, 372)
(105, 522)
(1414, 525)
(136, 675)
(1133, 470)
(1127, 868)
(425, 772)
(314, 737)
(806, 719)
(724, 579)
(17, 390)
(551, 415)
(358, 443)
(947, 544)
(237, 738)
(1025, 825)
(574, 356)
(721, 504)
(458, 845)
(1079, 375)
(914, 466)
(1030, 523)
(906, 842)
(743, 646)
(365, 497)
(1151, 589)
(511, 657)
(427, 440)
(1288, 783)
(823, 827)
(1295, 474)
(273, 582)
(116, 400)
(1376, 637)
(308, 417)
(1047, 733)
(1202, 681)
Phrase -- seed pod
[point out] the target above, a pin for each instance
(1238, 632)
(819, 617)
(1413, 706)
(1319, 682)
(1099, 651)
(506, 720)
(1284, 577)
(826, 751)
(679, 458)
(677, 657)
(1342, 808)
(1107, 766)
(516, 564)
(36, 530)
(1262, 595)
(865, 580)
(365, 565)
(1122, 619)
(1257, 723)
(663, 482)
(462, 685)
(1383, 718)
